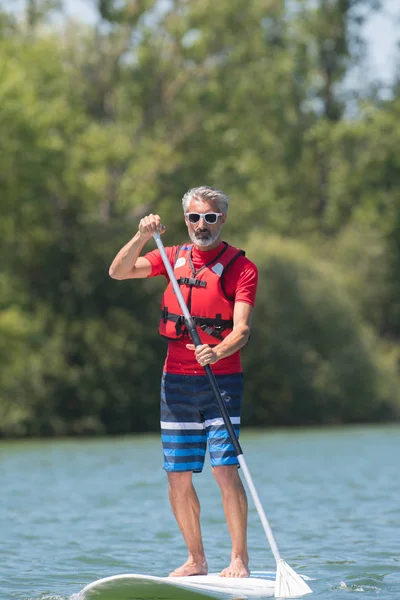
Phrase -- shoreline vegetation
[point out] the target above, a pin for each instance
(103, 123)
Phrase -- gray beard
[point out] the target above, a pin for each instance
(205, 241)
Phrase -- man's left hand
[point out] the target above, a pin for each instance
(205, 355)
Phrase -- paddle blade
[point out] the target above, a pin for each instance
(288, 583)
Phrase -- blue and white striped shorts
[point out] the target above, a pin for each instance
(190, 418)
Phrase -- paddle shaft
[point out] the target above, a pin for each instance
(214, 386)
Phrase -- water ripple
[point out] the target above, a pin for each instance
(74, 511)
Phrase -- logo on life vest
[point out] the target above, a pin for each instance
(180, 262)
(218, 269)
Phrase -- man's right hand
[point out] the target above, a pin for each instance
(150, 225)
(128, 264)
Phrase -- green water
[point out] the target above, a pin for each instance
(75, 511)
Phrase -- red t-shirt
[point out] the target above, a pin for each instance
(240, 281)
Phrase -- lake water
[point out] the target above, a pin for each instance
(77, 510)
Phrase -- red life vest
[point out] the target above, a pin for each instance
(204, 294)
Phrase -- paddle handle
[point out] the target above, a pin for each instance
(217, 394)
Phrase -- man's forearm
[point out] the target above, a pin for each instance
(233, 342)
(127, 257)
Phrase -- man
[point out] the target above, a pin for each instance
(219, 285)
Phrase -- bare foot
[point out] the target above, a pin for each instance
(190, 567)
(237, 568)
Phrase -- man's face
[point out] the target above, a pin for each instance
(204, 234)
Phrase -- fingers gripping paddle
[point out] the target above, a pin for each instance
(288, 583)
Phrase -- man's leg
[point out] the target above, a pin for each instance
(234, 501)
(186, 508)
(225, 469)
(184, 445)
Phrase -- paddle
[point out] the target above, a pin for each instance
(288, 583)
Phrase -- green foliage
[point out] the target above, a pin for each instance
(102, 125)
(360, 253)
(28, 359)
(315, 361)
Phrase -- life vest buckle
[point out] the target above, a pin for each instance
(218, 325)
(180, 325)
(192, 281)
(211, 331)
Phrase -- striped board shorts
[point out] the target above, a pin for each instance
(190, 418)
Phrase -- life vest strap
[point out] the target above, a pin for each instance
(212, 326)
(192, 281)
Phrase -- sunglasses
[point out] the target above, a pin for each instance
(210, 218)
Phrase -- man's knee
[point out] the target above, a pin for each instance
(227, 475)
(179, 480)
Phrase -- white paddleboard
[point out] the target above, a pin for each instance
(198, 587)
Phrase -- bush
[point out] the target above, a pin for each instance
(311, 360)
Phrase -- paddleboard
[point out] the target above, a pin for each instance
(198, 587)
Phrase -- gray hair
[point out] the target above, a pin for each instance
(206, 193)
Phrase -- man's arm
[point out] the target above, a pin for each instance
(236, 339)
(128, 264)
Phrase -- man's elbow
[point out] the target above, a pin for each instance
(113, 273)
(245, 334)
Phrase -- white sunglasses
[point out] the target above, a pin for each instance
(210, 217)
